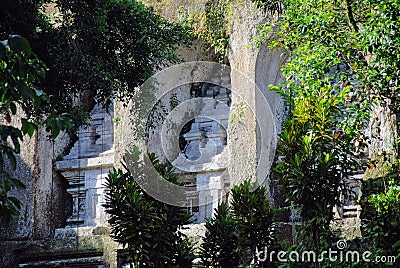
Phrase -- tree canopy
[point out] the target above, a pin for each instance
(72, 54)
(105, 47)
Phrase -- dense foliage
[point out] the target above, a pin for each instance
(102, 47)
(316, 149)
(221, 240)
(235, 232)
(342, 58)
(381, 213)
(217, 21)
(111, 47)
(147, 227)
(315, 157)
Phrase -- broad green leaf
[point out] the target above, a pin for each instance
(17, 183)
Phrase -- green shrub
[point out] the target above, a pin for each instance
(235, 232)
(146, 227)
(316, 155)
(381, 214)
(219, 248)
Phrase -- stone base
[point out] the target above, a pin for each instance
(89, 259)
(195, 234)
(348, 228)
(73, 247)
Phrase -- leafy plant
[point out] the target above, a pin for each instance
(342, 58)
(212, 25)
(102, 49)
(217, 21)
(113, 46)
(254, 217)
(221, 241)
(315, 156)
(147, 227)
(322, 141)
(381, 214)
(236, 231)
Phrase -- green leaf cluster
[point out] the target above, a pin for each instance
(322, 141)
(216, 20)
(106, 48)
(236, 231)
(381, 213)
(315, 157)
(213, 25)
(342, 58)
(147, 227)
(111, 47)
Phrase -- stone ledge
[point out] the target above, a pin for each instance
(105, 161)
(79, 258)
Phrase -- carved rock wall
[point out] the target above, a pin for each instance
(44, 199)
(74, 200)
(86, 167)
(254, 126)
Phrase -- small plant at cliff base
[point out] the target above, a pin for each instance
(235, 232)
(253, 214)
(387, 225)
(23, 108)
(146, 227)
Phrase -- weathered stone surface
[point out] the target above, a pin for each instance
(44, 199)
(241, 140)
(72, 247)
(253, 126)
(85, 168)
(348, 228)
(195, 234)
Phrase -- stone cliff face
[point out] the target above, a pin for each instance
(64, 197)
(45, 200)
(257, 112)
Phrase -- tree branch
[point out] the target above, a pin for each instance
(351, 15)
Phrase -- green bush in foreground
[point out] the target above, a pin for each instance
(147, 228)
(235, 231)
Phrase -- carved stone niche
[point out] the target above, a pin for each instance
(204, 158)
(86, 167)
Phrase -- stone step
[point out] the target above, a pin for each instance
(89, 258)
